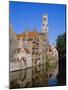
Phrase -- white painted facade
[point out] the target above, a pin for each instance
(24, 60)
(55, 53)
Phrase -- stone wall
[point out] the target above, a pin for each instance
(12, 44)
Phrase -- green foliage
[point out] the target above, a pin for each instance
(61, 47)
(61, 43)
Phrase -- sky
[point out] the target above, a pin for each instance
(24, 15)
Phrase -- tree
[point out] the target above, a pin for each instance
(61, 47)
(61, 44)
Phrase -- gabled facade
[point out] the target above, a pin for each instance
(24, 57)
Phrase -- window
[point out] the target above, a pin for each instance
(33, 41)
(44, 19)
(43, 24)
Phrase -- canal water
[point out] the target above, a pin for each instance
(36, 76)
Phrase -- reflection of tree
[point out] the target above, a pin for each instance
(61, 46)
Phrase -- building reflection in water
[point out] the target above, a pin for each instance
(31, 77)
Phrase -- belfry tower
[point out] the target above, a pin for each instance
(45, 22)
(44, 36)
(45, 25)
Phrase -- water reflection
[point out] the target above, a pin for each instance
(31, 77)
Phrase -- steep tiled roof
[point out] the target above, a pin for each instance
(31, 35)
(26, 50)
(18, 50)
